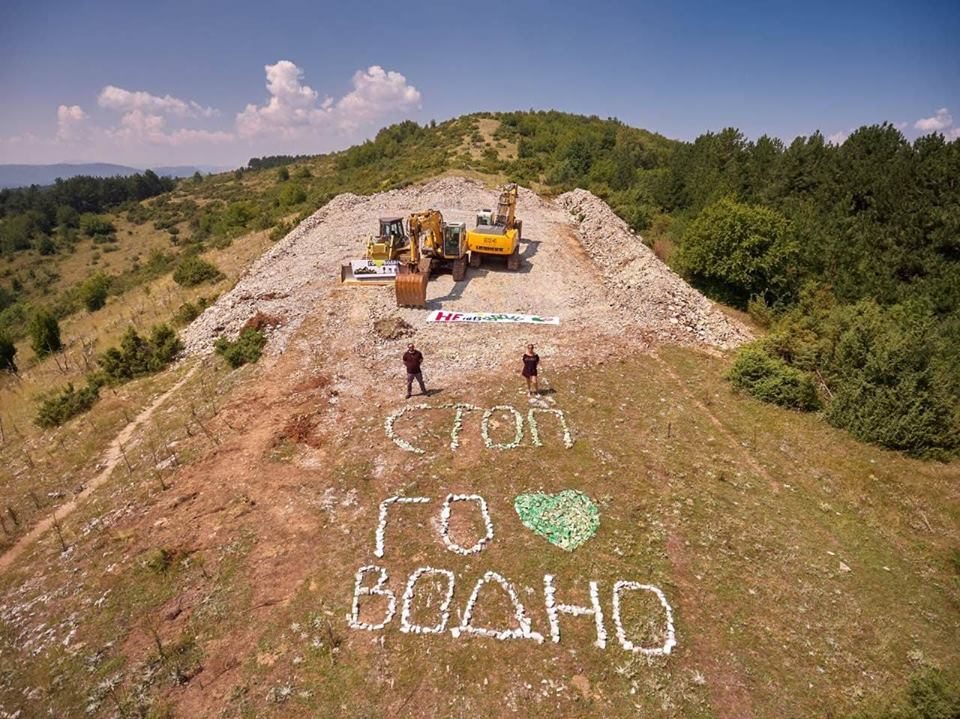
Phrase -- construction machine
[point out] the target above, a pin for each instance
(497, 233)
(433, 244)
(382, 259)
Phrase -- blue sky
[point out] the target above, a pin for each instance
(184, 83)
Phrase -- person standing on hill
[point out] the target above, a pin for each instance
(531, 361)
(412, 359)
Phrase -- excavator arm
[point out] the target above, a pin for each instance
(426, 240)
(426, 233)
(507, 206)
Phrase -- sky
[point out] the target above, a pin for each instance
(216, 82)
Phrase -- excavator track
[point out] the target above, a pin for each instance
(412, 289)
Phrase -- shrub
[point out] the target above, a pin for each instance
(739, 251)
(930, 695)
(8, 351)
(66, 403)
(189, 311)
(246, 348)
(283, 174)
(46, 246)
(889, 371)
(772, 380)
(44, 331)
(93, 291)
(280, 230)
(292, 195)
(95, 226)
(138, 356)
(193, 270)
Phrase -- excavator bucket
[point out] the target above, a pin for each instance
(412, 289)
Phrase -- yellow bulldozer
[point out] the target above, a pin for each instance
(497, 233)
(382, 258)
(433, 244)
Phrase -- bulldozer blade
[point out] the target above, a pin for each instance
(412, 289)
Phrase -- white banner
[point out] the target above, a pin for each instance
(374, 268)
(491, 317)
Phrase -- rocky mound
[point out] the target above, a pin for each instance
(640, 284)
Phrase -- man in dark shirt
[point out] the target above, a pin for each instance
(412, 359)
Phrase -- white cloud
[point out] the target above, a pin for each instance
(953, 134)
(137, 127)
(116, 98)
(295, 109)
(376, 92)
(70, 119)
(838, 138)
(941, 120)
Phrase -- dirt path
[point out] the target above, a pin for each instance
(111, 457)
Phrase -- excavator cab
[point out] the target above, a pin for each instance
(454, 237)
(392, 227)
(484, 218)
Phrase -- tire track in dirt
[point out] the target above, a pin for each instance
(111, 457)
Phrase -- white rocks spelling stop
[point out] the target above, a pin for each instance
(364, 587)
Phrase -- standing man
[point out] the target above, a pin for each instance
(412, 359)
(531, 362)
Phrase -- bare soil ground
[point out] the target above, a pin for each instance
(213, 574)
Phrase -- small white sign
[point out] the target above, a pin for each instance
(374, 268)
(491, 317)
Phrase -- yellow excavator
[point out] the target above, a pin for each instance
(433, 244)
(497, 234)
(379, 264)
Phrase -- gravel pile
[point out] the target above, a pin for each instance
(298, 279)
(640, 284)
(295, 274)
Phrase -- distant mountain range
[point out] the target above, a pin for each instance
(26, 175)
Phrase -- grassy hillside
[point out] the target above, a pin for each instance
(811, 574)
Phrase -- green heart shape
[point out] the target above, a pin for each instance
(566, 519)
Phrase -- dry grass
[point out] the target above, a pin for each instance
(807, 571)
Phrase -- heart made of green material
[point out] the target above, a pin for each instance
(566, 519)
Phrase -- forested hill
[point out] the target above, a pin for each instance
(849, 254)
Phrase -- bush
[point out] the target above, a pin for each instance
(44, 331)
(740, 251)
(95, 226)
(930, 695)
(889, 369)
(93, 291)
(65, 404)
(189, 311)
(138, 356)
(194, 270)
(246, 348)
(280, 230)
(292, 195)
(8, 351)
(772, 380)
(283, 174)
(46, 246)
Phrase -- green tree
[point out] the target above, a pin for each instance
(283, 174)
(93, 291)
(193, 270)
(292, 195)
(44, 331)
(96, 226)
(739, 251)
